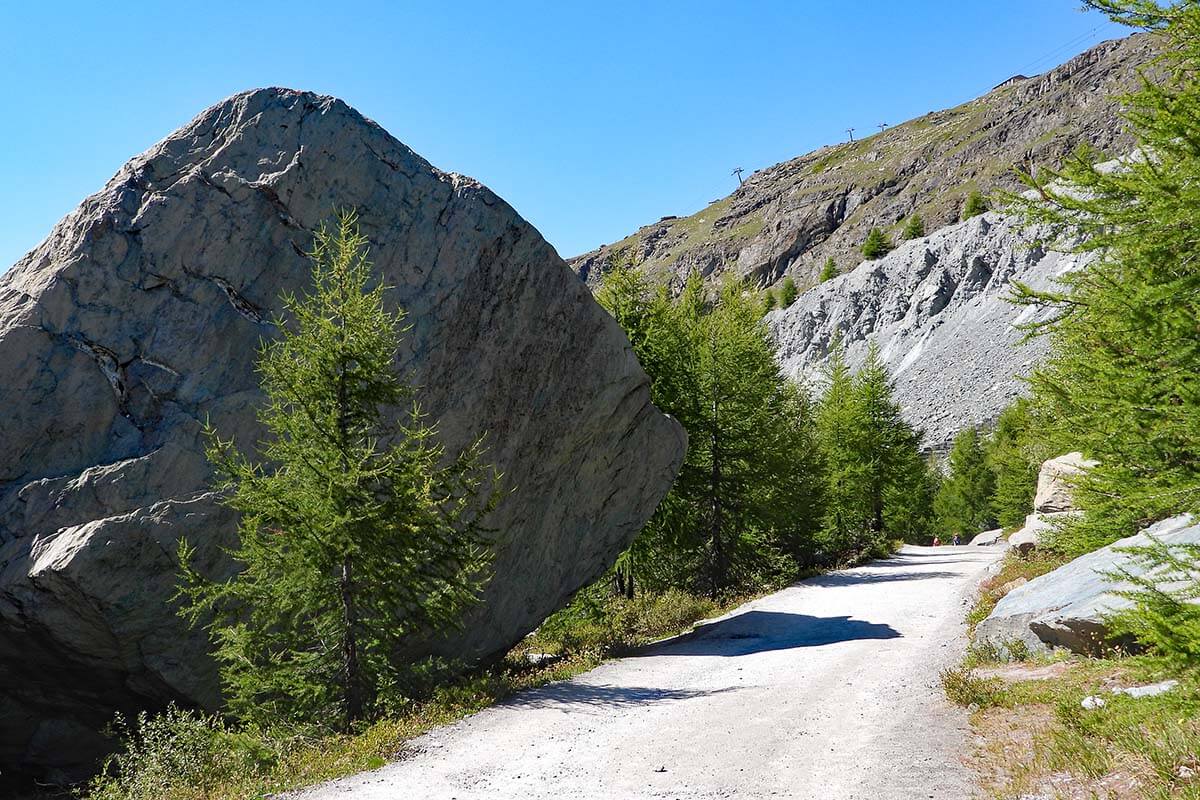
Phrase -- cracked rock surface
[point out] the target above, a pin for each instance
(139, 317)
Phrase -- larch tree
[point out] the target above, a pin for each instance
(965, 500)
(788, 292)
(914, 228)
(975, 205)
(1123, 381)
(876, 245)
(829, 270)
(744, 499)
(358, 534)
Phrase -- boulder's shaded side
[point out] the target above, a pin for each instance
(940, 310)
(139, 317)
(1067, 607)
(1037, 526)
(987, 538)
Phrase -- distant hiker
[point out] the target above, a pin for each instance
(956, 540)
(937, 542)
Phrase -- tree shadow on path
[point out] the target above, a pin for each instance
(764, 631)
(569, 693)
(854, 578)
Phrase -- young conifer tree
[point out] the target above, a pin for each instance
(829, 270)
(877, 485)
(743, 498)
(877, 245)
(914, 228)
(975, 205)
(788, 292)
(889, 443)
(1014, 452)
(839, 418)
(357, 535)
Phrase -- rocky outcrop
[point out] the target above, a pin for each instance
(787, 219)
(1052, 503)
(138, 319)
(939, 309)
(1068, 607)
(1055, 480)
(1032, 533)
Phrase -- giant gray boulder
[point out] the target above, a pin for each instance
(1068, 607)
(138, 318)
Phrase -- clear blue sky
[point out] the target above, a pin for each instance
(590, 118)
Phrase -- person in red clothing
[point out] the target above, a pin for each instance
(937, 542)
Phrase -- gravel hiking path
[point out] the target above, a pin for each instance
(827, 690)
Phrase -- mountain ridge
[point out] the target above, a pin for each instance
(786, 220)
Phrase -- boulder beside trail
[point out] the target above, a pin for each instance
(138, 319)
(1068, 607)
(1035, 528)
(1055, 482)
(987, 538)
(1053, 502)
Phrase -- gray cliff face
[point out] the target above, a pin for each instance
(938, 309)
(787, 219)
(139, 317)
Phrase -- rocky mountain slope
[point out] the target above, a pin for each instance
(938, 309)
(787, 219)
(138, 319)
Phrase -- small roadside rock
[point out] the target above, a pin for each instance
(1093, 701)
(1162, 687)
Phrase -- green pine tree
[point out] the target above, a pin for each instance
(914, 228)
(877, 485)
(877, 245)
(358, 536)
(975, 205)
(744, 501)
(890, 443)
(769, 301)
(1123, 382)
(1015, 452)
(829, 271)
(909, 500)
(788, 292)
(839, 426)
(964, 501)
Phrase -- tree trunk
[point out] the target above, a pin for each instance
(353, 693)
(720, 566)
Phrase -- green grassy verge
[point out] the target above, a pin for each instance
(1036, 739)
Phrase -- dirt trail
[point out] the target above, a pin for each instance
(826, 690)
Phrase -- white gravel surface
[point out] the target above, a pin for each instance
(825, 690)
